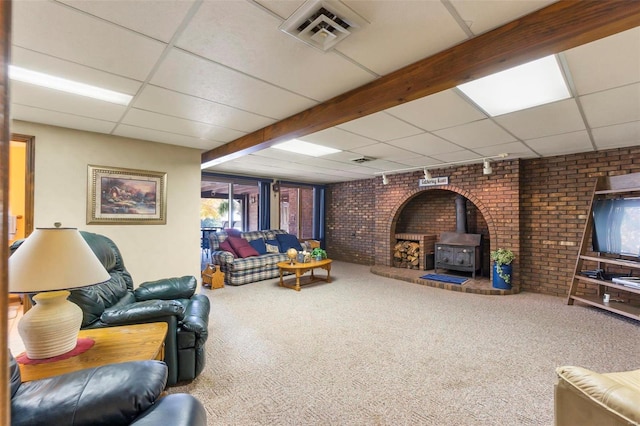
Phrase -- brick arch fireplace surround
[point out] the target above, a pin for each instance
(495, 196)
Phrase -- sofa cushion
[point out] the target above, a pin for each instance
(242, 247)
(272, 246)
(259, 245)
(226, 246)
(287, 241)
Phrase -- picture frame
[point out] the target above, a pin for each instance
(119, 196)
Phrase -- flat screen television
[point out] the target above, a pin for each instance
(616, 226)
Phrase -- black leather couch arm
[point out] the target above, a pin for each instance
(196, 318)
(114, 394)
(179, 409)
(167, 288)
(140, 312)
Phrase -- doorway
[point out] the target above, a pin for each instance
(21, 186)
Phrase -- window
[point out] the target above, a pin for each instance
(297, 210)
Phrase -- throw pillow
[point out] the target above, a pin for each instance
(242, 247)
(287, 241)
(226, 246)
(272, 246)
(259, 245)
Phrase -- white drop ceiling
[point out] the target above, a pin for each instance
(204, 73)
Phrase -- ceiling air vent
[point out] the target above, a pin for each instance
(322, 23)
(361, 160)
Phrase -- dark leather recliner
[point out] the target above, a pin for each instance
(170, 300)
(115, 394)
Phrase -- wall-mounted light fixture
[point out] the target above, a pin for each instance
(486, 167)
(252, 199)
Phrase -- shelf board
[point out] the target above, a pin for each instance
(625, 309)
(610, 261)
(609, 284)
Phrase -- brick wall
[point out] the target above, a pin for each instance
(535, 207)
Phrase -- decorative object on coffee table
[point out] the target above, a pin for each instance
(292, 254)
(318, 253)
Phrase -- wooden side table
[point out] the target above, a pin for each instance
(137, 342)
(212, 276)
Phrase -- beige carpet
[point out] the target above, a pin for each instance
(367, 350)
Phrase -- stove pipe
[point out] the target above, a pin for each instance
(461, 214)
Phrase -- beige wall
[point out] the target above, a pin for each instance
(150, 251)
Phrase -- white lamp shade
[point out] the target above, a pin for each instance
(54, 259)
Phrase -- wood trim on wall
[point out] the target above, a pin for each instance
(553, 29)
(29, 188)
(5, 45)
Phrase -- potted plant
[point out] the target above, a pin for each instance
(318, 253)
(502, 268)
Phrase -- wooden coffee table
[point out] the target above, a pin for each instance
(301, 268)
(137, 342)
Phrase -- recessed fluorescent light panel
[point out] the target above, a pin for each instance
(305, 148)
(51, 82)
(534, 83)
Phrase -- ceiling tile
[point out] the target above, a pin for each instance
(476, 135)
(438, 111)
(610, 62)
(163, 137)
(189, 74)
(60, 119)
(615, 106)
(283, 9)
(157, 19)
(385, 151)
(380, 127)
(512, 149)
(167, 102)
(545, 120)
(482, 16)
(567, 143)
(165, 123)
(399, 33)
(246, 37)
(463, 155)
(83, 39)
(620, 135)
(55, 100)
(338, 138)
(425, 143)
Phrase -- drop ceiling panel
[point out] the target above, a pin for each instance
(513, 149)
(157, 19)
(245, 38)
(167, 102)
(380, 127)
(192, 75)
(610, 62)
(615, 106)
(54, 100)
(477, 134)
(283, 9)
(438, 111)
(482, 16)
(55, 118)
(617, 136)
(425, 143)
(38, 62)
(162, 137)
(546, 120)
(457, 156)
(338, 138)
(399, 33)
(385, 151)
(55, 29)
(165, 123)
(567, 143)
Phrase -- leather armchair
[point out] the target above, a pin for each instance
(584, 397)
(171, 300)
(116, 394)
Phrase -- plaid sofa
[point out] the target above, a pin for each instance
(239, 271)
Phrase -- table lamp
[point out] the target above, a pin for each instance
(48, 262)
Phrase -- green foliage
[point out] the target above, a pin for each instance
(502, 257)
(318, 252)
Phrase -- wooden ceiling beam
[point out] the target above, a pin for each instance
(553, 29)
